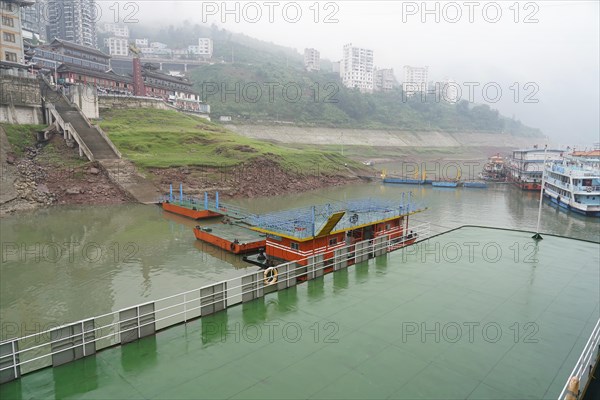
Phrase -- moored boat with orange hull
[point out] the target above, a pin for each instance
(534, 186)
(525, 166)
(188, 212)
(231, 238)
(353, 231)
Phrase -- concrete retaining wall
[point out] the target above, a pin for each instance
(109, 102)
(20, 100)
(380, 138)
(21, 114)
(86, 98)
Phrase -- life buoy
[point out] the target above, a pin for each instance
(572, 389)
(271, 276)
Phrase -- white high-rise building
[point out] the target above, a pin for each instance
(141, 43)
(158, 45)
(449, 90)
(116, 30)
(72, 20)
(205, 47)
(117, 46)
(384, 80)
(356, 68)
(415, 80)
(33, 21)
(336, 66)
(312, 60)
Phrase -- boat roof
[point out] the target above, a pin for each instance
(538, 150)
(306, 223)
(592, 153)
(386, 328)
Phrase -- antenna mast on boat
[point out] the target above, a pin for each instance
(537, 235)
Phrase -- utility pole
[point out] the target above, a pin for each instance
(537, 235)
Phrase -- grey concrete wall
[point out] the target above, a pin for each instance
(21, 114)
(379, 138)
(20, 100)
(86, 98)
(109, 102)
(19, 91)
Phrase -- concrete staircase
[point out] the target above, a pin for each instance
(96, 146)
(92, 137)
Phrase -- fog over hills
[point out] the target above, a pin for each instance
(552, 46)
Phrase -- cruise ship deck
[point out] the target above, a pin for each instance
(474, 313)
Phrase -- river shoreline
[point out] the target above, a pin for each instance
(38, 182)
(43, 175)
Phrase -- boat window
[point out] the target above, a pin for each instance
(294, 246)
(332, 241)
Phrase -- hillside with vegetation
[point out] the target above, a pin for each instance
(171, 147)
(228, 46)
(258, 94)
(164, 138)
(267, 83)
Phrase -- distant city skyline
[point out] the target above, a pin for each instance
(548, 55)
(563, 43)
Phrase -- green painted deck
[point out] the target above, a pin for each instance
(230, 232)
(357, 333)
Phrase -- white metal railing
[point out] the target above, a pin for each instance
(66, 126)
(84, 148)
(583, 368)
(96, 127)
(37, 348)
(587, 189)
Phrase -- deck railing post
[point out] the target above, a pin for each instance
(14, 357)
(83, 337)
(138, 323)
(184, 308)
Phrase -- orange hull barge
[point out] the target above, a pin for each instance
(358, 229)
(188, 212)
(234, 239)
(529, 186)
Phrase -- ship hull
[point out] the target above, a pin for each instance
(477, 185)
(445, 184)
(404, 181)
(554, 199)
(188, 212)
(528, 186)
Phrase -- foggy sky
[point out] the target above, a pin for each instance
(559, 54)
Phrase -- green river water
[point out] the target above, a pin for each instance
(67, 263)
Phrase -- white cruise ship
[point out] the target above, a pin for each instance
(574, 182)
